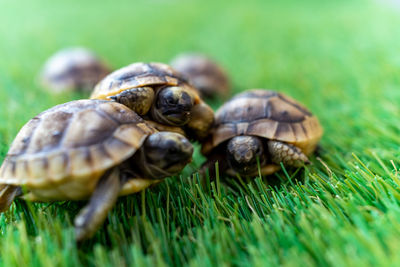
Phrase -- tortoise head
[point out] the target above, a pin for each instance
(242, 153)
(172, 106)
(165, 154)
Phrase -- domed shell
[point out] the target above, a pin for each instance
(266, 114)
(137, 75)
(73, 68)
(76, 140)
(208, 77)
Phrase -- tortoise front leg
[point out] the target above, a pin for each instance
(103, 199)
(7, 195)
(138, 99)
(202, 118)
(287, 154)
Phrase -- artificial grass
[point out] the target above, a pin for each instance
(340, 59)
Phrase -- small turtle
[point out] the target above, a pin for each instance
(205, 74)
(261, 125)
(159, 93)
(73, 69)
(88, 149)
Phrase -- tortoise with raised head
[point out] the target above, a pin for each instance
(73, 69)
(159, 93)
(88, 149)
(208, 77)
(261, 125)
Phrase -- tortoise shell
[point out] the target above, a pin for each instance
(61, 153)
(266, 114)
(73, 69)
(208, 77)
(140, 74)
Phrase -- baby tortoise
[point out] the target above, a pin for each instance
(75, 69)
(88, 149)
(159, 93)
(205, 74)
(261, 125)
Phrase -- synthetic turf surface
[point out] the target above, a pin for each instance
(340, 59)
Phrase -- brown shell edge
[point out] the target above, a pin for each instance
(35, 171)
(307, 144)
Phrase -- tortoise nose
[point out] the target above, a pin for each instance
(187, 148)
(243, 159)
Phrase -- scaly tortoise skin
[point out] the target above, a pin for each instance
(86, 149)
(140, 86)
(73, 69)
(208, 77)
(287, 130)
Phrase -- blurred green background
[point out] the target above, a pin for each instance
(340, 58)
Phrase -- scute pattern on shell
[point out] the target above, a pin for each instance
(137, 75)
(75, 139)
(266, 114)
